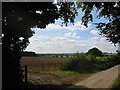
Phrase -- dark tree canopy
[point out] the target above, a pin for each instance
(18, 18)
(108, 10)
(94, 52)
(17, 21)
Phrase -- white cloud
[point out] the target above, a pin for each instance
(46, 44)
(39, 12)
(59, 38)
(71, 35)
(102, 44)
(94, 32)
(39, 38)
(98, 40)
(80, 26)
(76, 26)
(54, 27)
(58, 27)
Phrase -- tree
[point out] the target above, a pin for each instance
(18, 18)
(17, 21)
(108, 10)
(94, 52)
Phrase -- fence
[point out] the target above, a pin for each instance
(37, 69)
(25, 70)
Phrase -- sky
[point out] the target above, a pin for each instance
(71, 39)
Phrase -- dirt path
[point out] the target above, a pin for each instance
(103, 79)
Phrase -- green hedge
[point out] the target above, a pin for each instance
(83, 63)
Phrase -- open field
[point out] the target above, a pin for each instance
(42, 60)
(38, 64)
(45, 70)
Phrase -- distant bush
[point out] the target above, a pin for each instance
(94, 52)
(89, 63)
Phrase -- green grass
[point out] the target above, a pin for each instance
(116, 85)
(67, 72)
(71, 77)
(71, 74)
(30, 84)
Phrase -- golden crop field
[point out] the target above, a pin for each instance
(42, 60)
(36, 64)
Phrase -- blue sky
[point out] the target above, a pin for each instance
(71, 39)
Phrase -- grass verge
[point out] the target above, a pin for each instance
(116, 85)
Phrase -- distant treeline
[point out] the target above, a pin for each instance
(29, 53)
(56, 55)
(26, 53)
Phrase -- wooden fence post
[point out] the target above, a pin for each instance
(25, 73)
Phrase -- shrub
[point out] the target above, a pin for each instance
(89, 63)
(78, 64)
(115, 59)
(107, 61)
(91, 57)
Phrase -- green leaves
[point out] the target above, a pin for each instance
(107, 10)
(86, 8)
(68, 12)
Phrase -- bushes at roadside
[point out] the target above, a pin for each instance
(108, 61)
(80, 63)
(83, 63)
(116, 85)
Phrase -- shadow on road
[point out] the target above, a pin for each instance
(60, 87)
(57, 87)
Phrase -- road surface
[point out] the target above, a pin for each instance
(103, 79)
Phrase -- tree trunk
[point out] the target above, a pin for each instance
(11, 71)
